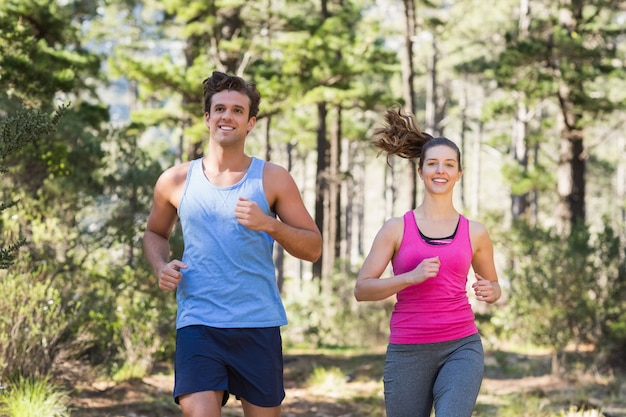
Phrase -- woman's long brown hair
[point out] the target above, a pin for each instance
(401, 136)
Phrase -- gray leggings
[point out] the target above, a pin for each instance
(446, 374)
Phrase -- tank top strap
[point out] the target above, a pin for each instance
(411, 230)
(256, 168)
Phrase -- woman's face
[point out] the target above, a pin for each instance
(440, 169)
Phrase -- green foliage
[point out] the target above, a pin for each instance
(38, 313)
(132, 320)
(567, 290)
(53, 174)
(63, 165)
(34, 61)
(130, 371)
(550, 292)
(524, 180)
(24, 126)
(610, 278)
(33, 397)
(332, 317)
(72, 271)
(10, 252)
(17, 130)
(144, 321)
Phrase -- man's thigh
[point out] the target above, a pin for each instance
(201, 404)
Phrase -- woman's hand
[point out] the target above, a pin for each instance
(485, 290)
(426, 269)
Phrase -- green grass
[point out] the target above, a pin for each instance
(33, 397)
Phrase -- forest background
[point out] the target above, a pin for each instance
(99, 96)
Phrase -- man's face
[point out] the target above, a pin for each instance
(228, 119)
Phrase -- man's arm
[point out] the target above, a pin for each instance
(295, 230)
(161, 221)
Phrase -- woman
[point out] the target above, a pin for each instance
(435, 355)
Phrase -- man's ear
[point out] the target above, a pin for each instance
(251, 123)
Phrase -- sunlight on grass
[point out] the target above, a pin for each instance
(129, 371)
(524, 406)
(573, 412)
(327, 380)
(33, 397)
(531, 406)
(364, 396)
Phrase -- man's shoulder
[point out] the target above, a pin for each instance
(175, 175)
(272, 168)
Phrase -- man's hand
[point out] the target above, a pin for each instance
(170, 275)
(249, 214)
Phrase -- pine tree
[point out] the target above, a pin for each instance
(16, 131)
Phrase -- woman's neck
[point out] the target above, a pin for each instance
(432, 208)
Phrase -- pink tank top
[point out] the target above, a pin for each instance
(438, 309)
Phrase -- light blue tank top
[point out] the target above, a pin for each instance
(230, 281)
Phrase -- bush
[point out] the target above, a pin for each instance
(568, 290)
(332, 317)
(36, 319)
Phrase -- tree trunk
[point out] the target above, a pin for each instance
(195, 149)
(279, 251)
(476, 150)
(519, 152)
(571, 179)
(390, 192)
(463, 107)
(519, 148)
(321, 186)
(571, 165)
(335, 158)
(354, 184)
(432, 97)
(408, 90)
(333, 231)
(621, 179)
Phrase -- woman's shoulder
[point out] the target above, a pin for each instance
(476, 226)
(478, 233)
(394, 226)
(395, 221)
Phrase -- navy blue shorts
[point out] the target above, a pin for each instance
(245, 362)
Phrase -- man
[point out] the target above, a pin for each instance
(232, 207)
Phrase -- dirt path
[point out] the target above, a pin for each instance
(358, 393)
